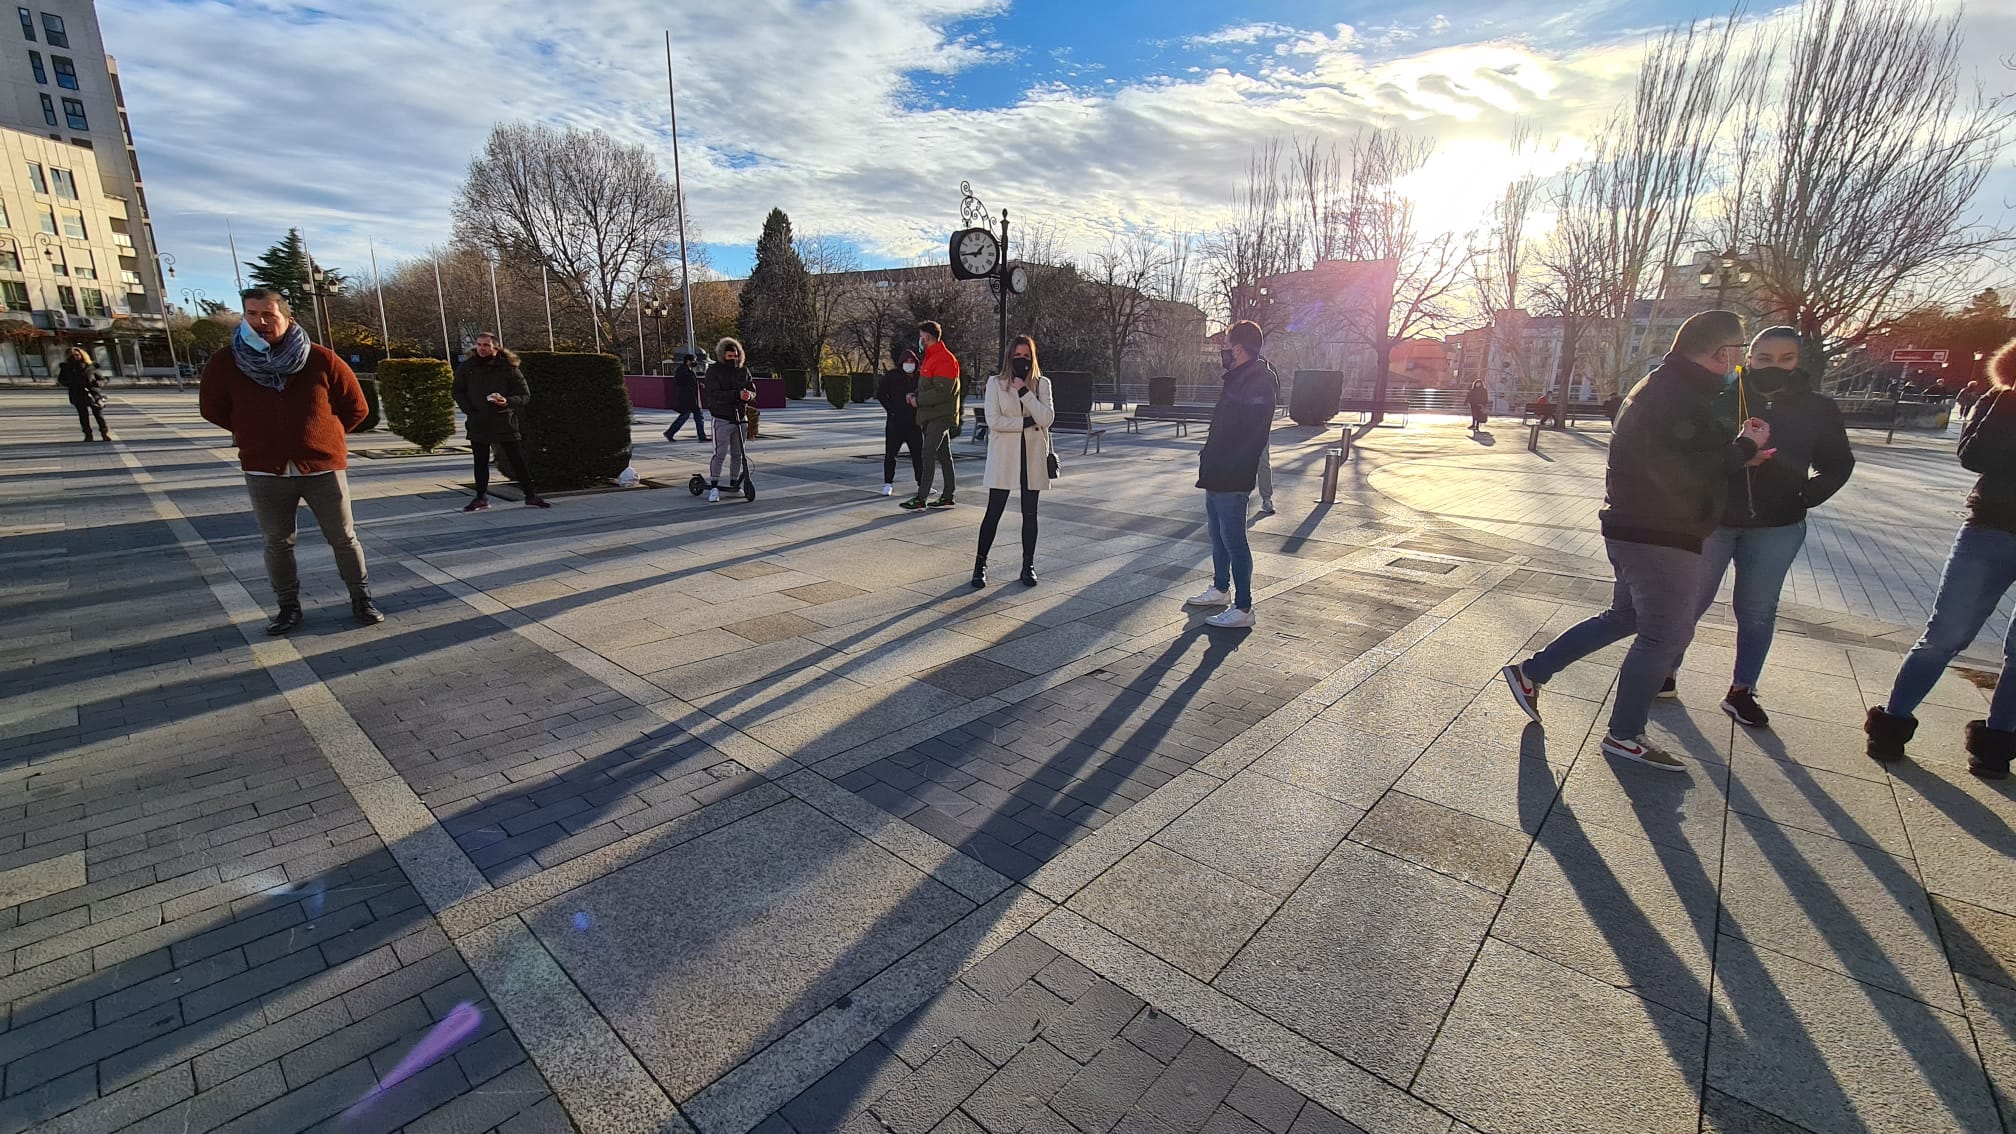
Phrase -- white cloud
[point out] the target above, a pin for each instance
(1242, 34)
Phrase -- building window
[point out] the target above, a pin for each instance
(47, 220)
(66, 72)
(73, 225)
(52, 30)
(35, 64)
(84, 267)
(80, 143)
(14, 294)
(49, 110)
(57, 261)
(94, 302)
(10, 260)
(73, 110)
(36, 179)
(27, 24)
(66, 183)
(4, 222)
(66, 297)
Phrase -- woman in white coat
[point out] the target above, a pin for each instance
(1019, 413)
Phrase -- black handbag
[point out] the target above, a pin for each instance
(1050, 459)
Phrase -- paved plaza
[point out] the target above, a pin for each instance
(644, 814)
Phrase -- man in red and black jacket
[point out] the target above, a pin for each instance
(289, 405)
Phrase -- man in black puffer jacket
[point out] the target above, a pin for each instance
(1228, 468)
(1764, 521)
(1669, 468)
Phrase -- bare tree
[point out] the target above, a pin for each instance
(832, 263)
(874, 317)
(1262, 238)
(1119, 283)
(1858, 171)
(601, 216)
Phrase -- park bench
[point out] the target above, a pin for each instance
(1576, 411)
(1065, 422)
(1180, 415)
(1395, 406)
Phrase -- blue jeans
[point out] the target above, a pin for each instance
(699, 425)
(1231, 559)
(1979, 569)
(1653, 600)
(1763, 557)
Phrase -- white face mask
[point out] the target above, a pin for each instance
(909, 368)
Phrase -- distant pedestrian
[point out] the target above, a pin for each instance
(686, 399)
(1264, 478)
(896, 392)
(289, 405)
(1979, 571)
(1480, 405)
(1228, 468)
(728, 389)
(1965, 400)
(1669, 467)
(1764, 520)
(1019, 414)
(87, 396)
(1611, 406)
(937, 404)
(491, 390)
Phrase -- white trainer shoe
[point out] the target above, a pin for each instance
(888, 490)
(1212, 596)
(1231, 618)
(713, 495)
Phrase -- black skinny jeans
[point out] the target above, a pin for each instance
(897, 436)
(85, 412)
(997, 503)
(514, 453)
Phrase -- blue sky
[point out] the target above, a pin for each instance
(860, 118)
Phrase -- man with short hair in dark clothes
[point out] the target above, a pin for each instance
(289, 405)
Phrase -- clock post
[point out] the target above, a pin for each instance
(979, 253)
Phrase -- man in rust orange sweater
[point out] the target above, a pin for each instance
(289, 404)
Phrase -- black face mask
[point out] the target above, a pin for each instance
(1021, 367)
(1769, 379)
(1226, 360)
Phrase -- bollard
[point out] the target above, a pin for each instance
(1333, 461)
(1533, 439)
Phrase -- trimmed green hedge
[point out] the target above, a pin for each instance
(419, 399)
(370, 384)
(794, 385)
(577, 427)
(838, 390)
(864, 388)
(1314, 398)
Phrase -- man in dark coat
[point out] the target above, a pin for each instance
(1228, 468)
(491, 390)
(78, 377)
(686, 399)
(1664, 488)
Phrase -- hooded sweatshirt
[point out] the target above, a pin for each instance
(1670, 459)
(1813, 459)
(1988, 447)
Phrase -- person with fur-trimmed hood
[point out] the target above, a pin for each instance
(1979, 571)
(490, 389)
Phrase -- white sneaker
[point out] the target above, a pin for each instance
(713, 495)
(1266, 507)
(1231, 618)
(888, 490)
(1212, 596)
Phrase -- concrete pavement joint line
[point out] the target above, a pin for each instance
(436, 866)
(956, 871)
(1350, 1091)
(599, 1080)
(738, 1101)
(476, 913)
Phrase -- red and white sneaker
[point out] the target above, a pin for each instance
(1640, 750)
(1523, 691)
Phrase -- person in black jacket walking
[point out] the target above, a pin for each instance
(899, 421)
(77, 376)
(1764, 522)
(686, 399)
(1228, 468)
(491, 390)
(1669, 468)
(728, 388)
(1979, 571)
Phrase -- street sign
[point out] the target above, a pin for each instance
(1914, 355)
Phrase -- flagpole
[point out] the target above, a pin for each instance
(679, 189)
(446, 351)
(378, 285)
(496, 310)
(642, 368)
(237, 270)
(548, 290)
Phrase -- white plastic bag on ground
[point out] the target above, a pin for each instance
(627, 478)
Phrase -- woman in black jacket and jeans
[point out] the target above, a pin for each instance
(77, 376)
(1979, 570)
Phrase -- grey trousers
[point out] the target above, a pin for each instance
(937, 456)
(274, 501)
(1653, 605)
(1265, 482)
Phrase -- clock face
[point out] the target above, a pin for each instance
(1018, 279)
(976, 251)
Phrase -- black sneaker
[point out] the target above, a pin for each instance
(944, 501)
(1671, 690)
(366, 611)
(914, 504)
(285, 622)
(1742, 705)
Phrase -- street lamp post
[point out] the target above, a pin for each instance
(191, 297)
(167, 330)
(657, 313)
(322, 286)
